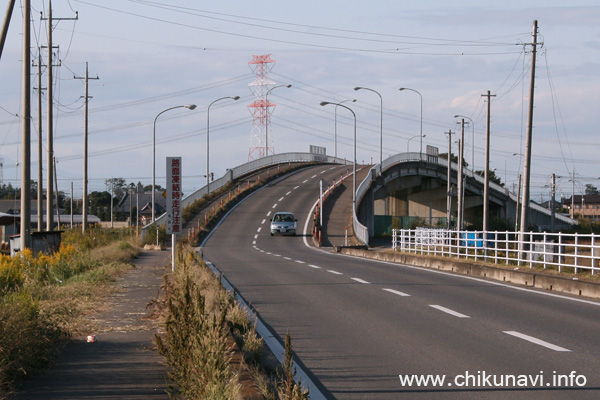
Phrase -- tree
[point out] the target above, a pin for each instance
(591, 189)
(117, 185)
(493, 177)
(453, 158)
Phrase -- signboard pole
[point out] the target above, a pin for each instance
(173, 203)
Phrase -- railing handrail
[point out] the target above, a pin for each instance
(547, 249)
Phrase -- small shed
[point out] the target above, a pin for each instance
(45, 242)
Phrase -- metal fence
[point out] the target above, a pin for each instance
(546, 250)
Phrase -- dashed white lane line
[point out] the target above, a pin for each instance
(313, 177)
(305, 181)
(399, 293)
(286, 258)
(274, 205)
(269, 214)
(259, 229)
(449, 311)
(536, 341)
(263, 221)
(296, 187)
(300, 262)
(255, 236)
(280, 199)
(277, 255)
(334, 272)
(314, 266)
(254, 242)
(288, 193)
(322, 172)
(360, 280)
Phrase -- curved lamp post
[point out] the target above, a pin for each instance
(324, 103)
(189, 107)
(408, 141)
(208, 139)
(267, 114)
(421, 97)
(335, 123)
(380, 123)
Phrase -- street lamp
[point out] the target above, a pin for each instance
(421, 97)
(267, 115)
(472, 140)
(380, 124)
(335, 124)
(208, 139)
(189, 107)
(324, 103)
(408, 141)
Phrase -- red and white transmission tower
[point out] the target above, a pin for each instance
(261, 109)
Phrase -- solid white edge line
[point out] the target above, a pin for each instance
(399, 293)
(360, 281)
(535, 340)
(449, 311)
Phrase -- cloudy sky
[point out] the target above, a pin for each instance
(152, 55)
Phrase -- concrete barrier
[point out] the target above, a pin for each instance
(540, 280)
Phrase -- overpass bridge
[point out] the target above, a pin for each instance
(410, 189)
(407, 188)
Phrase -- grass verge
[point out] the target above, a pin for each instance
(199, 317)
(46, 299)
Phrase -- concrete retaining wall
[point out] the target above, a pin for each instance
(520, 277)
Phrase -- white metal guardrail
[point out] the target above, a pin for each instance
(252, 166)
(560, 250)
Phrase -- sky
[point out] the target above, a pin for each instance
(153, 55)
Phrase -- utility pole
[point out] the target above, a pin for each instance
(25, 231)
(518, 203)
(486, 185)
(552, 205)
(9, 11)
(50, 120)
(461, 200)
(449, 182)
(40, 185)
(527, 165)
(85, 150)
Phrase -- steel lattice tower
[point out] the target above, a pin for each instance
(261, 109)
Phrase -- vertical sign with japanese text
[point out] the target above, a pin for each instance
(173, 195)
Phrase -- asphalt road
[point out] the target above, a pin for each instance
(359, 326)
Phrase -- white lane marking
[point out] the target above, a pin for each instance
(268, 253)
(305, 181)
(360, 280)
(254, 242)
(277, 255)
(255, 236)
(269, 214)
(286, 258)
(397, 292)
(300, 262)
(263, 221)
(274, 205)
(334, 272)
(536, 341)
(296, 187)
(259, 229)
(449, 311)
(322, 172)
(314, 266)
(332, 168)
(288, 193)
(312, 177)
(280, 199)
